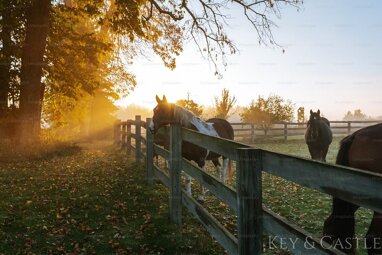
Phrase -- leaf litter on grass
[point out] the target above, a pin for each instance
(95, 201)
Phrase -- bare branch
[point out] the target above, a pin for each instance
(161, 10)
(204, 22)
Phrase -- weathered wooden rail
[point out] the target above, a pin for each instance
(253, 219)
(252, 131)
(126, 131)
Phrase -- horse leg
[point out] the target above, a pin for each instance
(339, 227)
(324, 153)
(225, 168)
(218, 168)
(313, 152)
(156, 157)
(374, 235)
(188, 185)
(230, 171)
(203, 190)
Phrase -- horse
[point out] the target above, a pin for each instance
(362, 149)
(224, 130)
(225, 176)
(166, 113)
(318, 136)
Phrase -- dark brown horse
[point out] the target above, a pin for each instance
(362, 149)
(318, 136)
(225, 130)
(166, 113)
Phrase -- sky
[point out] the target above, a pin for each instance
(332, 62)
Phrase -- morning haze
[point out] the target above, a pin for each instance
(332, 62)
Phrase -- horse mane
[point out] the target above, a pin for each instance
(183, 116)
(188, 120)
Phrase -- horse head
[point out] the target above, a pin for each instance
(314, 124)
(163, 114)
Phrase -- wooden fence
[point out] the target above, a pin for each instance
(254, 220)
(251, 131)
(128, 135)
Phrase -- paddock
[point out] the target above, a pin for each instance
(253, 218)
(250, 132)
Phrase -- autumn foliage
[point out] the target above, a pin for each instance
(265, 111)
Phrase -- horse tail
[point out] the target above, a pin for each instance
(343, 153)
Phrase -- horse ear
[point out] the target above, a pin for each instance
(311, 112)
(318, 112)
(164, 99)
(158, 99)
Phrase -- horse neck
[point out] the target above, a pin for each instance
(323, 125)
(323, 129)
(188, 120)
(183, 117)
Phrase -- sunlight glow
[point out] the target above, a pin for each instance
(337, 72)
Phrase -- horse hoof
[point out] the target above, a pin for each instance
(200, 200)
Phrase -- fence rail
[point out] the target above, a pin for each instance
(252, 131)
(123, 136)
(354, 185)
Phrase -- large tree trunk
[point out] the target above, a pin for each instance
(32, 90)
(5, 59)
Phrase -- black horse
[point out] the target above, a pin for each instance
(361, 150)
(318, 136)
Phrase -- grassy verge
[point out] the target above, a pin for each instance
(94, 201)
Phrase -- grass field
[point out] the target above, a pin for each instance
(89, 200)
(93, 200)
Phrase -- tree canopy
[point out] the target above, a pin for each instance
(355, 115)
(301, 115)
(83, 73)
(60, 56)
(224, 104)
(190, 105)
(265, 111)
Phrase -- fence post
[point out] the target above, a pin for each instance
(349, 127)
(285, 132)
(123, 137)
(149, 152)
(117, 132)
(249, 197)
(175, 173)
(138, 138)
(128, 137)
(252, 133)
